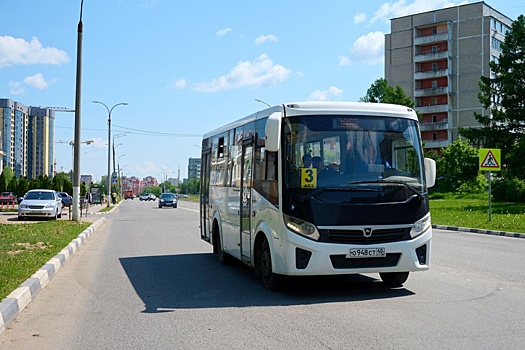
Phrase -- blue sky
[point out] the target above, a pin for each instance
(187, 67)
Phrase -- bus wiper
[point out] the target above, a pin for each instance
(338, 189)
(411, 188)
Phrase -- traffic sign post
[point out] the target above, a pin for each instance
(490, 160)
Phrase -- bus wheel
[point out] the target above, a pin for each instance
(270, 280)
(394, 279)
(224, 258)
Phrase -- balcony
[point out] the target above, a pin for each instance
(434, 126)
(422, 40)
(435, 143)
(432, 56)
(431, 74)
(431, 92)
(432, 109)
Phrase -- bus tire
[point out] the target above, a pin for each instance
(224, 258)
(271, 281)
(394, 279)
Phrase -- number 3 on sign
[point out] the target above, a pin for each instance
(308, 178)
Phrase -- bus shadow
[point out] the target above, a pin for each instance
(188, 281)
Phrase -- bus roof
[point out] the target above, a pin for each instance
(323, 107)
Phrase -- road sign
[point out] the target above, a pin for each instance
(490, 159)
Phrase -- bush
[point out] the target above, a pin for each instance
(477, 185)
(509, 190)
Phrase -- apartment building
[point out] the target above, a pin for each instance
(194, 168)
(438, 57)
(26, 135)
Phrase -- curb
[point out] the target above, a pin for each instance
(476, 230)
(15, 302)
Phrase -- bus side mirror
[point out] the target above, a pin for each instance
(273, 132)
(430, 172)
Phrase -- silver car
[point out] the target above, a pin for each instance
(41, 204)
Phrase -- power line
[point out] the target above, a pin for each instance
(138, 131)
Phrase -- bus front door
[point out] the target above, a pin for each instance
(245, 205)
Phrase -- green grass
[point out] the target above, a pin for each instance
(25, 248)
(472, 211)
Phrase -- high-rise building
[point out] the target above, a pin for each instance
(194, 168)
(26, 135)
(438, 57)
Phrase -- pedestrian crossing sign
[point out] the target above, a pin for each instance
(490, 159)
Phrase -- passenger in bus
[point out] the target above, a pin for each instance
(323, 172)
(307, 161)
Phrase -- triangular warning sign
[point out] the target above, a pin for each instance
(490, 161)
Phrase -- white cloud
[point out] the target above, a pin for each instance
(367, 48)
(15, 51)
(359, 18)
(264, 38)
(401, 8)
(37, 81)
(15, 88)
(222, 32)
(179, 84)
(261, 72)
(332, 93)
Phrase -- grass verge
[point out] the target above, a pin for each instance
(25, 248)
(472, 211)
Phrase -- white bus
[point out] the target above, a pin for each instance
(319, 188)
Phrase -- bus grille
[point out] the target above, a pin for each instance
(342, 262)
(386, 235)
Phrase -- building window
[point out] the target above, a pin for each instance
(434, 119)
(434, 84)
(433, 101)
(434, 49)
(434, 67)
(434, 136)
(434, 31)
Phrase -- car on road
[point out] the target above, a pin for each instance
(168, 200)
(40, 204)
(67, 200)
(145, 197)
(7, 198)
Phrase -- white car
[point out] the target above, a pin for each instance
(41, 204)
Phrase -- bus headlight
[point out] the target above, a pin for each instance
(421, 226)
(301, 227)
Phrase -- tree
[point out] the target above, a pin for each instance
(381, 92)
(503, 96)
(23, 186)
(458, 165)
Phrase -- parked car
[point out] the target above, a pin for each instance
(7, 198)
(67, 200)
(168, 200)
(42, 204)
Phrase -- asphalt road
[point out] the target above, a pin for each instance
(146, 281)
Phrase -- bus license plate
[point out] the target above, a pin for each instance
(367, 253)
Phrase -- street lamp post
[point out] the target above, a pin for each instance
(178, 178)
(109, 145)
(119, 186)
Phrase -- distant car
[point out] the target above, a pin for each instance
(129, 194)
(168, 200)
(183, 196)
(7, 198)
(144, 197)
(152, 197)
(67, 200)
(42, 204)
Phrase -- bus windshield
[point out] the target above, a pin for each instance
(372, 156)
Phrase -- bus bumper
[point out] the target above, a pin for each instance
(310, 258)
